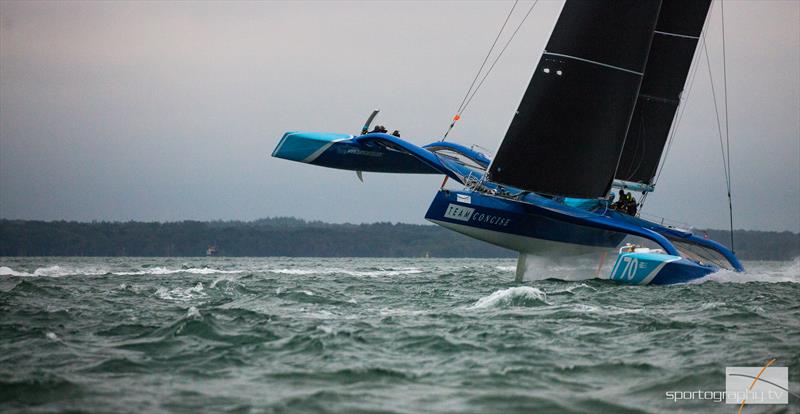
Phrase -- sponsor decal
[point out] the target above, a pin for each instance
(460, 213)
(491, 219)
(463, 213)
(356, 151)
(463, 198)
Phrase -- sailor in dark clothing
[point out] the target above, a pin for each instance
(626, 203)
(632, 206)
(396, 133)
(379, 128)
(619, 205)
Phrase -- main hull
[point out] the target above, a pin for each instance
(517, 226)
(567, 236)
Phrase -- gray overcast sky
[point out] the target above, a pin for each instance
(169, 111)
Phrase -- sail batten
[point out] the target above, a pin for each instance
(676, 35)
(569, 130)
(592, 61)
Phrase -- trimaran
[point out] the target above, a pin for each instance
(596, 116)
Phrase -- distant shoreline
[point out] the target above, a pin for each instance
(291, 237)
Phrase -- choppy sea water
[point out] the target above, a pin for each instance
(378, 335)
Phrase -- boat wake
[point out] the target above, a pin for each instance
(779, 273)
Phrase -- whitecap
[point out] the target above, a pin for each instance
(357, 273)
(55, 271)
(513, 296)
(193, 313)
(52, 336)
(181, 294)
(570, 289)
(7, 271)
(712, 305)
(603, 310)
(227, 278)
(167, 271)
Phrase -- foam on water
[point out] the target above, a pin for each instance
(61, 271)
(7, 271)
(181, 294)
(55, 271)
(167, 271)
(349, 272)
(506, 268)
(193, 313)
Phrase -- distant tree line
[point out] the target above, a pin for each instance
(285, 236)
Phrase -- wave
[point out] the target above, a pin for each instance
(506, 268)
(330, 271)
(168, 271)
(571, 290)
(602, 309)
(512, 297)
(181, 294)
(7, 271)
(193, 313)
(54, 271)
(61, 271)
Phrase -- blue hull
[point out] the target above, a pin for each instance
(457, 210)
(539, 226)
(657, 269)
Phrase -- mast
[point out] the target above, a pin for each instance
(569, 130)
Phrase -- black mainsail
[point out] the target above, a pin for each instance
(679, 26)
(568, 133)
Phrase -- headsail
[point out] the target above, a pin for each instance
(568, 133)
(679, 26)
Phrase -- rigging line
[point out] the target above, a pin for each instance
(497, 59)
(727, 131)
(480, 70)
(486, 59)
(716, 112)
(683, 103)
(725, 159)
